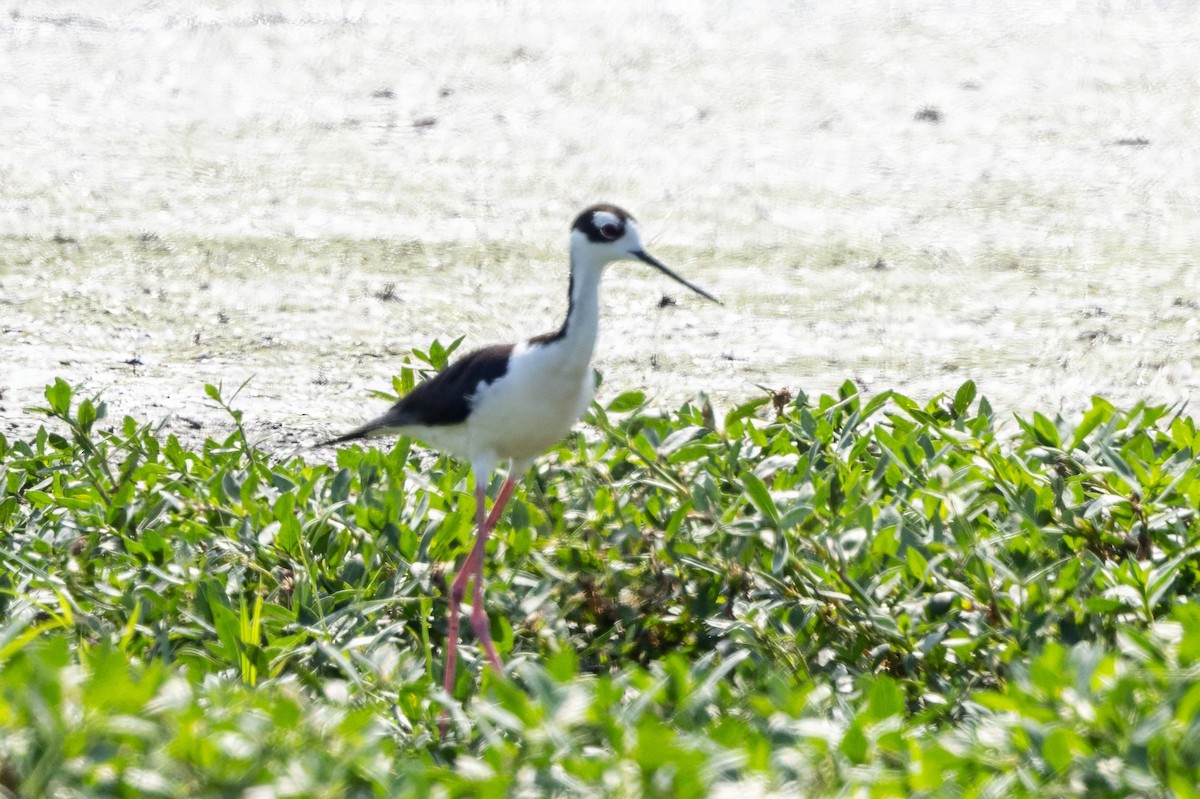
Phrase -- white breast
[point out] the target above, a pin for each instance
(534, 405)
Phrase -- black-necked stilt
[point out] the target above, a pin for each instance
(513, 401)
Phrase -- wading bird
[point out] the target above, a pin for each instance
(511, 402)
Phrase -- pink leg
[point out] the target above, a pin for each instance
(459, 587)
(479, 619)
(473, 568)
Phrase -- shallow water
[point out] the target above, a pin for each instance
(298, 196)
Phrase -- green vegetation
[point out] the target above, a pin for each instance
(834, 596)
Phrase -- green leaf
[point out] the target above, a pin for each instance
(228, 626)
(39, 498)
(875, 403)
(231, 486)
(642, 446)
(795, 516)
(626, 402)
(847, 390)
(1060, 748)
(760, 497)
(744, 411)
(437, 354)
(884, 699)
(1100, 412)
(404, 382)
(963, 398)
(918, 566)
(1183, 785)
(1112, 458)
(86, 415)
(59, 397)
(1046, 431)
(854, 744)
(1189, 646)
(678, 438)
(779, 557)
(563, 665)
(339, 489)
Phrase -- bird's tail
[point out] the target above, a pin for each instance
(368, 429)
(394, 421)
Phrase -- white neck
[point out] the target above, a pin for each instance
(583, 316)
(575, 340)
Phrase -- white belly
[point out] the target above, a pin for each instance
(532, 407)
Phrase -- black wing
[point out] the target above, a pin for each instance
(443, 399)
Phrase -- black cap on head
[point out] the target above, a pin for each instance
(602, 222)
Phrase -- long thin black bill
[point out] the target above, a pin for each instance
(650, 259)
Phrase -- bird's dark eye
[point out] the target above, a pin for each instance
(610, 231)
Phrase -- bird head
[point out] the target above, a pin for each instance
(605, 233)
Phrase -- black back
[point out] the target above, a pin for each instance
(445, 398)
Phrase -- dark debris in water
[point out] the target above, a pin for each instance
(928, 113)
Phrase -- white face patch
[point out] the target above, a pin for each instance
(610, 226)
(603, 218)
